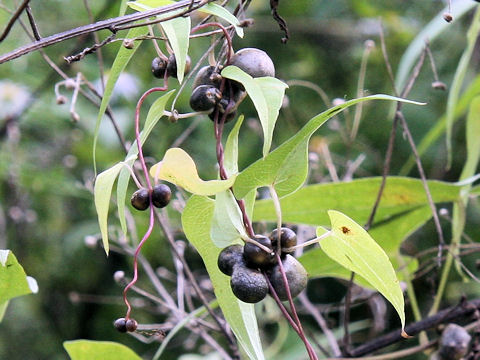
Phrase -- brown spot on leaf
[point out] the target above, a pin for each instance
(345, 230)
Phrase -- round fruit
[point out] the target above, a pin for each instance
(207, 75)
(255, 257)
(248, 285)
(140, 199)
(204, 98)
(297, 278)
(161, 195)
(172, 66)
(131, 325)
(229, 257)
(288, 239)
(254, 62)
(159, 66)
(120, 325)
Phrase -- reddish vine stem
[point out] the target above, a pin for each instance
(301, 333)
(149, 186)
(135, 259)
(227, 36)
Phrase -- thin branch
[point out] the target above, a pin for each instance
(462, 310)
(13, 19)
(112, 24)
(346, 316)
(332, 341)
(33, 24)
(431, 203)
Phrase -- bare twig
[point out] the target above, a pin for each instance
(33, 24)
(332, 341)
(346, 316)
(113, 24)
(462, 310)
(13, 19)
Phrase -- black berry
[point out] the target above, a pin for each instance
(254, 62)
(204, 98)
(172, 66)
(229, 257)
(120, 325)
(131, 325)
(288, 239)
(161, 195)
(297, 278)
(248, 285)
(255, 257)
(159, 66)
(140, 199)
(207, 75)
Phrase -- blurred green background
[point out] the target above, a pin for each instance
(47, 216)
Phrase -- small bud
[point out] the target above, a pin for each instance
(118, 276)
(443, 212)
(338, 101)
(128, 43)
(173, 118)
(447, 17)
(438, 85)
(61, 100)
(90, 241)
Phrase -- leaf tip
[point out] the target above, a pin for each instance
(405, 335)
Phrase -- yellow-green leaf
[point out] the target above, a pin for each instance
(13, 280)
(98, 350)
(179, 168)
(221, 12)
(196, 221)
(267, 95)
(352, 247)
(102, 192)
(227, 222)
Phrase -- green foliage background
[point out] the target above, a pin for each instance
(46, 211)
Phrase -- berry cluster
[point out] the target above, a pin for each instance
(161, 195)
(208, 94)
(123, 325)
(247, 265)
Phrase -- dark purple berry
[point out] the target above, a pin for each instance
(229, 257)
(172, 66)
(248, 285)
(207, 75)
(159, 66)
(131, 325)
(288, 239)
(255, 257)
(297, 278)
(204, 98)
(161, 195)
(121, 325)
(254, 62)
(140, 199)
